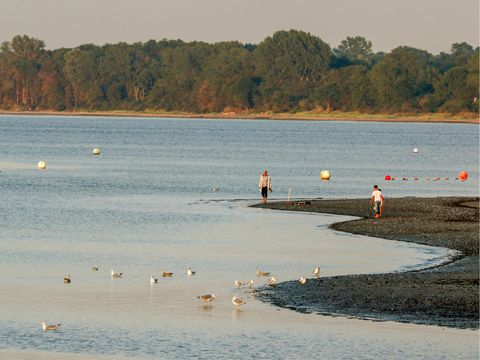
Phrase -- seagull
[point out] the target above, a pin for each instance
(302, 280)
(167, 274)
(262, 273)
(316, 271)
(153, 280)
(238, 284)
(237, 301)
(49, 327)
(250, 283)
(116, 275)
(215, 189)
(190, 272)
(207, 298)
(67, 279)
(272, 281)
(94, 268)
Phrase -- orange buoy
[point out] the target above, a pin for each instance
(388, 177)
(463, 175)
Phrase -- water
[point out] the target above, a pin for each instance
(147, 204)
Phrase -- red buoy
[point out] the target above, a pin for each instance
(463, 175)
(388, 177)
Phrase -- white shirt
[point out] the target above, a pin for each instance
(264, 181)
(377, 194)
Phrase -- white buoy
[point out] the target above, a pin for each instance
(42, 165)
(96, 151)
(325, 175)
(415, 151)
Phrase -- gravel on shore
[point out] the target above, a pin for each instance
(447, 295)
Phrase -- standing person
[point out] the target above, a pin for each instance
(377, 201)
(264, 185)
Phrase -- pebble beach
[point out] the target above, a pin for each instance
(445, 295)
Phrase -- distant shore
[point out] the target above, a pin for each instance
(469, 118)
(445, 295)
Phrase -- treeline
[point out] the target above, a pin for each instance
(289, 71)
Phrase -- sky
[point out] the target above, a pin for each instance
(432, 25)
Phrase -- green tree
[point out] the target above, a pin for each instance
(356, 50)
(402, 78)
(289, 64)
(24, 57)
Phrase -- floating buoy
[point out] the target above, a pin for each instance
(463, 175)
(325, 175)
(96, 151)
(42, 165)
(388, 177)
(415, 151)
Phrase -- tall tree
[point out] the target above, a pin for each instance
(402, 78)
(356, 50)
(289, 64)
(24, 56)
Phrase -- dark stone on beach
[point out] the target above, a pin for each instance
(446, 295)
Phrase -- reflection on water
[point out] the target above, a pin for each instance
(145, 204)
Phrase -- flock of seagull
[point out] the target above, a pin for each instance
(207, 298)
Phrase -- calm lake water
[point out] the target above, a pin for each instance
(147, 203)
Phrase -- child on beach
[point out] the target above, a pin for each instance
(377, 202)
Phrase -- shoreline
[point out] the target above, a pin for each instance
(443, 295)
(300, 116)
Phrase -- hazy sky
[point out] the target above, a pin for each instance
(431, 25)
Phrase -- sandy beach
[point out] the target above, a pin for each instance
(445, 295)
(469, 118)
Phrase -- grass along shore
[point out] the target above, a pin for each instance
(470, 118)
(446, 295)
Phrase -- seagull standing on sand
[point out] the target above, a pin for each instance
(262, 273)
(272, 281)
(316, 271)
(67, 279)
(237, 301)
(207, 298)
(302, 280)
(238, 284)
(49, 327)
(116, 275)
(190, 272)
(153, 280)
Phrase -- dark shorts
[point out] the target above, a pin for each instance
(264, 191)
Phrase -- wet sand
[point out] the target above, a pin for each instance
(447, 295)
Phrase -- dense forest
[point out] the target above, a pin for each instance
(288, 71)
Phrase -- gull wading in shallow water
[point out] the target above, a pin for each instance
(250, 283)
(116, 275)
(67, 279)
(316, 271)
(153, 280)
(237, 301)
(49, 327)
(207, 298)
(262, 273)
(190, 272)
(94, 268)
(167, 274)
